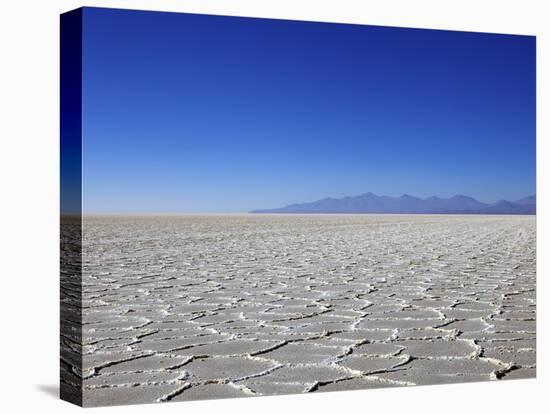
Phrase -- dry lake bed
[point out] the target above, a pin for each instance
(195, 307)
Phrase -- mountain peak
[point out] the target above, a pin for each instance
(407, 204)
(526, 201)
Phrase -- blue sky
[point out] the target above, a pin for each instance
(191, 113)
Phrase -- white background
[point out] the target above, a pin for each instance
(29, 194)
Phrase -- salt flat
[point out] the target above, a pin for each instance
(190, 307)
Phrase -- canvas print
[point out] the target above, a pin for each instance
(257, 206)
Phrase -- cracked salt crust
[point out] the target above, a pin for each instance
(192, 307)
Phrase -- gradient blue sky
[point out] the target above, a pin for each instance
(191, 113)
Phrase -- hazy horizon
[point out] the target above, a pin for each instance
(210, 114)
(175, 212)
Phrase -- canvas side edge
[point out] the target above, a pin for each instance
(71, 207)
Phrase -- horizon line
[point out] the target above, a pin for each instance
(250, 213)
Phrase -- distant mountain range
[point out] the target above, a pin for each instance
(407, 204)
